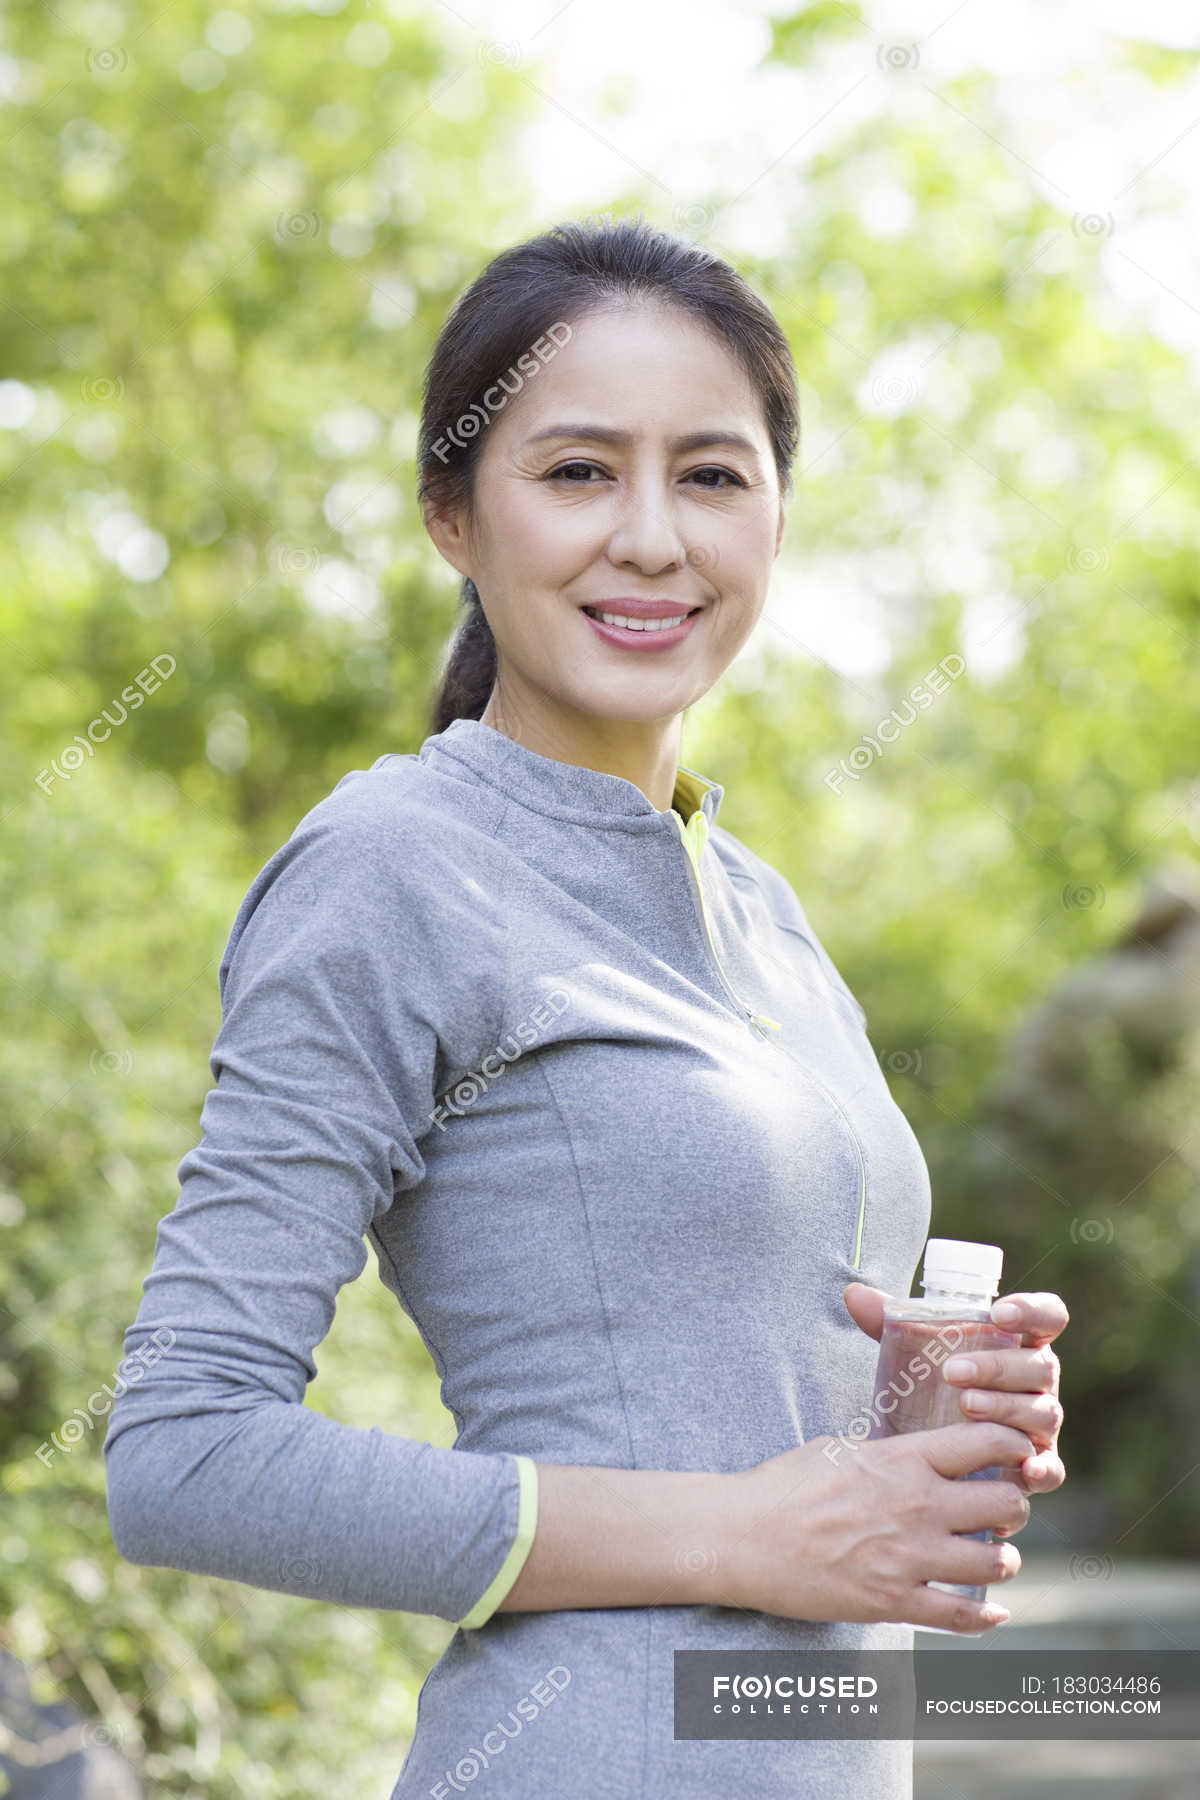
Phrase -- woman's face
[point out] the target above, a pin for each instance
(567, 518)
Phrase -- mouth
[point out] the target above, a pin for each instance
(656, 623)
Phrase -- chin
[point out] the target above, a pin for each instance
(626, 710)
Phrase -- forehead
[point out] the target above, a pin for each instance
(646, 369)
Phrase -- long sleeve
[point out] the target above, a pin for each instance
(333, 984)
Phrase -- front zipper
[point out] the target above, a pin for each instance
(695, 850)
(756, 1021)
(856, 1141)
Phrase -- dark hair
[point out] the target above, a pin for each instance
(510, 307)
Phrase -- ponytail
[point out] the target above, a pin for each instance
(470, 671)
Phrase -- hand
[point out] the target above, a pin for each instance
(1017, 1387)
(845, 1529)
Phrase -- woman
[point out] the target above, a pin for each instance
(517, 1007)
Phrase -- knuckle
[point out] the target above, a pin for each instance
(1015, 1510)
(1007, 1562)
(928, 1549)
(995, 1405)
(1017, 1443)
(896, 1591)
(1055, 1410)
(885, 1595)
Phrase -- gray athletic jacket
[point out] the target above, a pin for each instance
(587, 1079)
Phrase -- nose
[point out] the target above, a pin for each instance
(646, 534)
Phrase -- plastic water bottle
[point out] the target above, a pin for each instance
(960, 1280)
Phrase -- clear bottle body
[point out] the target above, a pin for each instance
(911, 1394)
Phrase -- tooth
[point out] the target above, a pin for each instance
(625, 623)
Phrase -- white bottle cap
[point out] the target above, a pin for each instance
(954, 1263)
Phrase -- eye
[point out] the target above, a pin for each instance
(560, 472)
(728, 473)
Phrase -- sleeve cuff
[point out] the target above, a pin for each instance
(514, 1562)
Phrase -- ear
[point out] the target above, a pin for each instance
(780, 528)
(445, 528)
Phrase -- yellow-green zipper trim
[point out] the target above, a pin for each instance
(695, 836)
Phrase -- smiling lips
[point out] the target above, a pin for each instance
(629, 623)
(642, 624)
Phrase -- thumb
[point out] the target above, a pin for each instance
(865, 1306)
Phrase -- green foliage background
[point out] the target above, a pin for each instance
(223, 271)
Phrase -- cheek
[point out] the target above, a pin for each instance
(741, 581)
(540, 541)
(736, 618)
(743, 549)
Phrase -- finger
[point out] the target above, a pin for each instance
(1040, 1416)
(951, 1612)
(865, 1306)
(1000, 1505)
(972, 1562)
(1044, 1472)
(1038, 1317)
(954, 1450)
(1013, 1371)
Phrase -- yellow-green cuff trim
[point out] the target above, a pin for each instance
(514, 1562)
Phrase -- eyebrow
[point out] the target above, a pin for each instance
(605, 434)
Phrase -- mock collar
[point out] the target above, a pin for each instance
(561, 789)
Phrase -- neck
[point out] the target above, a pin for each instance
(643, 751)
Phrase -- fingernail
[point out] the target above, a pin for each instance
(1006, 1312)
(961, 1368)
(978, 1400)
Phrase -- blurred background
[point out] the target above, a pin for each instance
(230, 236)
